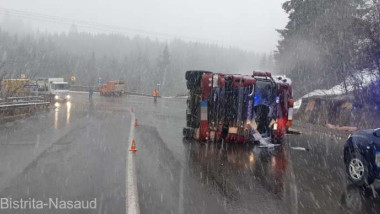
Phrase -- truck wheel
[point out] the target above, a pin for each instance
(192, 86)
(191, 75)
(194, 79)
(359, 171)
(193, 123)
(188, 132)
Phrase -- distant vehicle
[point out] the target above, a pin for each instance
(362, 157)
(112, 88)
(225, 106)
(14, 87)
(55, 87)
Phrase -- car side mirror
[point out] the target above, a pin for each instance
(376, 132)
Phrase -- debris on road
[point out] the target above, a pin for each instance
(342, 128)
(299, 148)
(293, 131)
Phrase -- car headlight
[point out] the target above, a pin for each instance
(56, 97)
(68, 97)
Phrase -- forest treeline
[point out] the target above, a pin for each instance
(140, 62)
(325, 41)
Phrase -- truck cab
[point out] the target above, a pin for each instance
(60, 91)
(57, 88)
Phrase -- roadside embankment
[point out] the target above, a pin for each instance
(339, 113)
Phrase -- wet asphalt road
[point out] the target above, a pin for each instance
(78, 152)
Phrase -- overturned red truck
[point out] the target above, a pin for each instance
(226, 106)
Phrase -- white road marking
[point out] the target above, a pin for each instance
(181, 209)
(132, 197)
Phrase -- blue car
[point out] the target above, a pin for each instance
(362, 157)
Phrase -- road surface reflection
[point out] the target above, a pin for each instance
(58, 109)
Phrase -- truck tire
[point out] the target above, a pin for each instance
(188, 133)
(192, 122)
(190, 85)
(194, 79)
(191, 75)
(189, 123)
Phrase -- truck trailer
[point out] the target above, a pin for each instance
(228, 106)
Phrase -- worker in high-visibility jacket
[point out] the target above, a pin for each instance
(155, 94)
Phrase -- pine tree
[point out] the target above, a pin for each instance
(163, 67)
(319, 41)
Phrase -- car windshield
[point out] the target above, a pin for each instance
(263, 93)
(61, 86)
(189, 106)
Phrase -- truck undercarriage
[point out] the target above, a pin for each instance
(236, 108)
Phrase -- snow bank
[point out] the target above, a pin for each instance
(356, 81)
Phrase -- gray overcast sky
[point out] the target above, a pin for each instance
(247, 24)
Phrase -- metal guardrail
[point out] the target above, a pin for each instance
(27, 97)
(9, 111)
(15, 105)
(19, 102)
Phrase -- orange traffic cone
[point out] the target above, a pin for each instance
(136, 124)
(133, 147)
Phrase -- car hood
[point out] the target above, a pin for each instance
(367, 132)
(364, 136)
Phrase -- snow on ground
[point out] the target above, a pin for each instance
(358, 80)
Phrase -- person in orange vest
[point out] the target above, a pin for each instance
(155, 95)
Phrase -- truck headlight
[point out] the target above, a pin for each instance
(68, 97)
(56, 97)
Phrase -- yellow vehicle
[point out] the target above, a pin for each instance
(14, 87)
